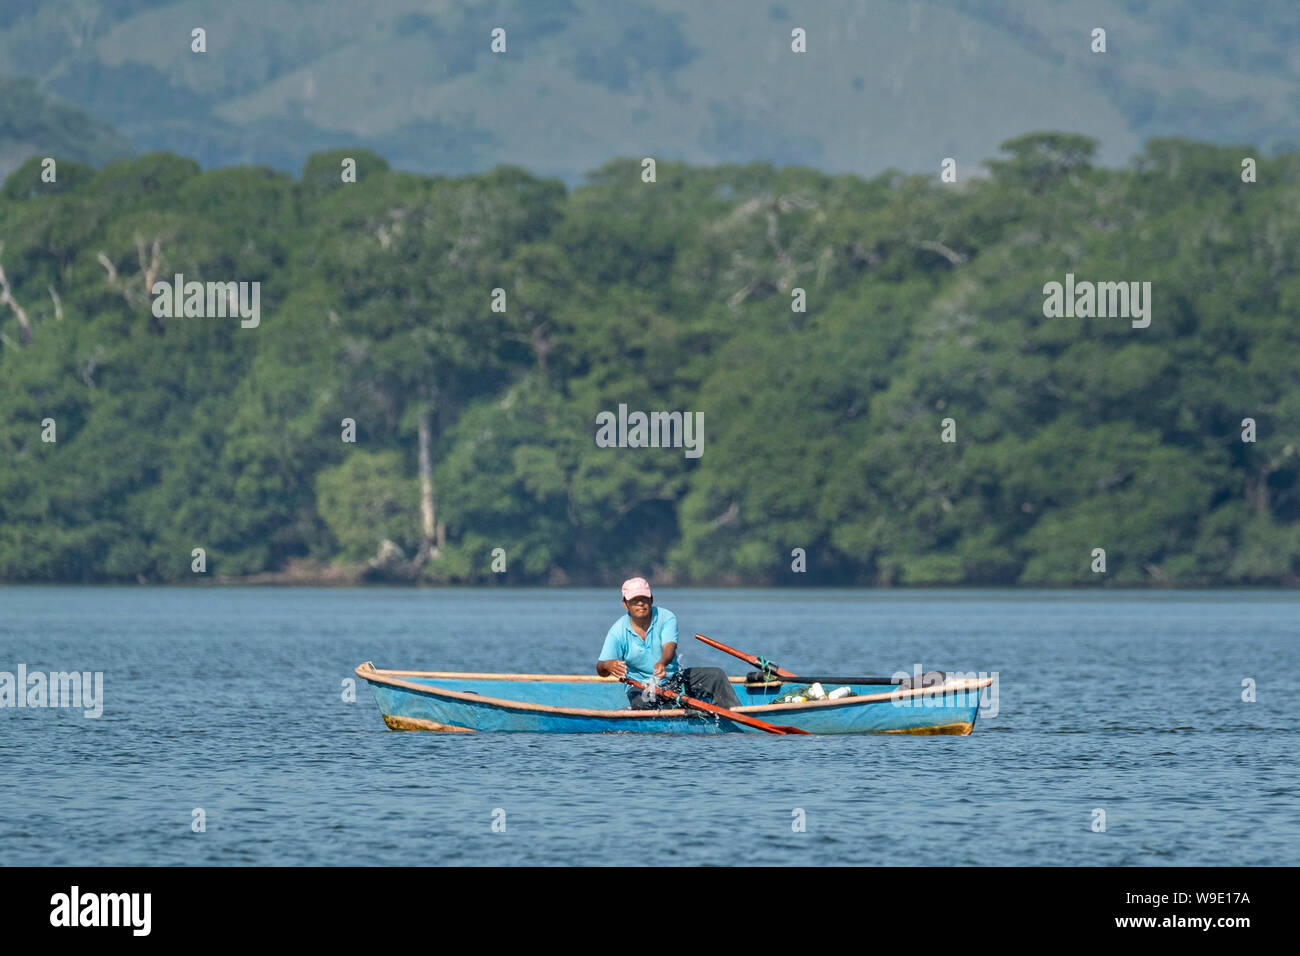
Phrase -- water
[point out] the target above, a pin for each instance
(230, 700)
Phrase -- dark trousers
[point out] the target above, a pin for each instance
(708, 684)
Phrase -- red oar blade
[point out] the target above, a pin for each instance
(720, 711)
(747, 658)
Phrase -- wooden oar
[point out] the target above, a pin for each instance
(768, 667)
(720, 711)
(820, 679)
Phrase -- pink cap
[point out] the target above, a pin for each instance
(636, 587)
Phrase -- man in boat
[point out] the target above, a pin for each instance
(642, 645)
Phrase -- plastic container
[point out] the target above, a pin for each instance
(839, 692)
(815, 692)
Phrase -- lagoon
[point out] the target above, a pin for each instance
(234, 701)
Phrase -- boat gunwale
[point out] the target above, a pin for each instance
(368, 671)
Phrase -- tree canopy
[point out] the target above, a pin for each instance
(920, 420)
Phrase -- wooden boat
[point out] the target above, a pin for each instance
(581, 703)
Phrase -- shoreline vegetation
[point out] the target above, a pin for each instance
(352, 578)
(894, 388)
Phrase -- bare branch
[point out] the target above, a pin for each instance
(956, 258)
(781, 255)
(112, 269)
(7, 298)
(87, 371)
(148, 275)
(727, 517)
(742, 294)
(150, 271)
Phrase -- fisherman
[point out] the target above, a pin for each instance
(642, 644)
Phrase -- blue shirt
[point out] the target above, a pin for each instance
(624, 644)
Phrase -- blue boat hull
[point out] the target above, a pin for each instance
(571, 704)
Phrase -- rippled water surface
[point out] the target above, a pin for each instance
(230, 700)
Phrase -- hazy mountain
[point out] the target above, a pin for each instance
(34, 123)
(898, 83)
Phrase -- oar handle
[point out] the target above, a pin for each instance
(804, 679)
(788, 677)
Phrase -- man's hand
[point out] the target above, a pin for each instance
(614, 669)
(661, 671)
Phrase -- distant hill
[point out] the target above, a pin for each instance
(33, 123)
(889, 84)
